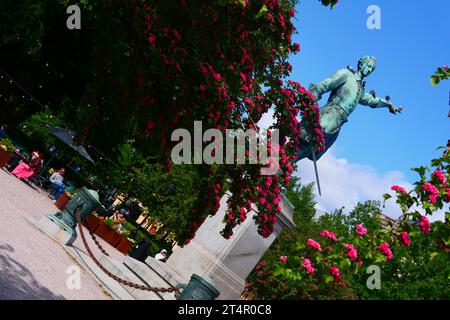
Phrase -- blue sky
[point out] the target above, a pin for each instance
(413, 41)
(376, 149)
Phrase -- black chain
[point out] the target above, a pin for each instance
(113, 276)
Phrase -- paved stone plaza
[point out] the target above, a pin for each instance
(32, 265)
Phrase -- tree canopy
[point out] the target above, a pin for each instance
(138, 70)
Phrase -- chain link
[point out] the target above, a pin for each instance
(108, 273)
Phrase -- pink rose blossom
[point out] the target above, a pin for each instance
(425, 224)
(434, 192)
(283, 259)
(328, 234)
(386, 250)
(335, 273)
(400, 189)
(352, 252)
(405, 238)
(432, 198)
(439, 175)
(314, 244)
(361, 230)
(308, 266)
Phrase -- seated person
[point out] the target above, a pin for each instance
(57, 179)
(118, 221)
(162, 255)
(24, 170)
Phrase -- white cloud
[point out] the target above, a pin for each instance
(267, 119)
(345, 184)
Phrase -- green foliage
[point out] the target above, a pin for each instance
(138, 70)
(14, 29)
(7, 145)
(442, 73)
(330, 3)
(302, 198)
(418, 269)
(34, 126)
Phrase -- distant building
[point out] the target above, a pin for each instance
(385, 221)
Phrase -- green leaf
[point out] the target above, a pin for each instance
(380, 259)
(262, 11)
(447, 242)
(328, 279)
(436, 162)
(434, 80)
(279, 272)
(421, 170)
(386, 196)
(433, 255)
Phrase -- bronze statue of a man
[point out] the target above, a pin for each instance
(347, 91)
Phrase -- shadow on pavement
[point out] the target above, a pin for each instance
(18, 283)
(6, 247)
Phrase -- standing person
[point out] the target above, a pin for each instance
(57, 179)
(24, 170)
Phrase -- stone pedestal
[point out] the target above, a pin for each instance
(227, 262)
(57, 229)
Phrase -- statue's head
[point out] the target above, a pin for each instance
(366, 65)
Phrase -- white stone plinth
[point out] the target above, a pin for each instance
(228, 262)
(58, 232)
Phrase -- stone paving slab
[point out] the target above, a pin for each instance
(32, 265)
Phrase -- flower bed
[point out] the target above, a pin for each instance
(105, 232)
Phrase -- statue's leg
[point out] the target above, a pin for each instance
(329, 141)
(305, 150)
(331, 121)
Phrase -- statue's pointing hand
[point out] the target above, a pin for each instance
(392, 108)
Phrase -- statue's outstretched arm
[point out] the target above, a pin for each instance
(330, 83)
(376, 102)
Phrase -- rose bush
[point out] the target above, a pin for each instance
(323, 267)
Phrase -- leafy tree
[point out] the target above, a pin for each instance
(138, 70)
